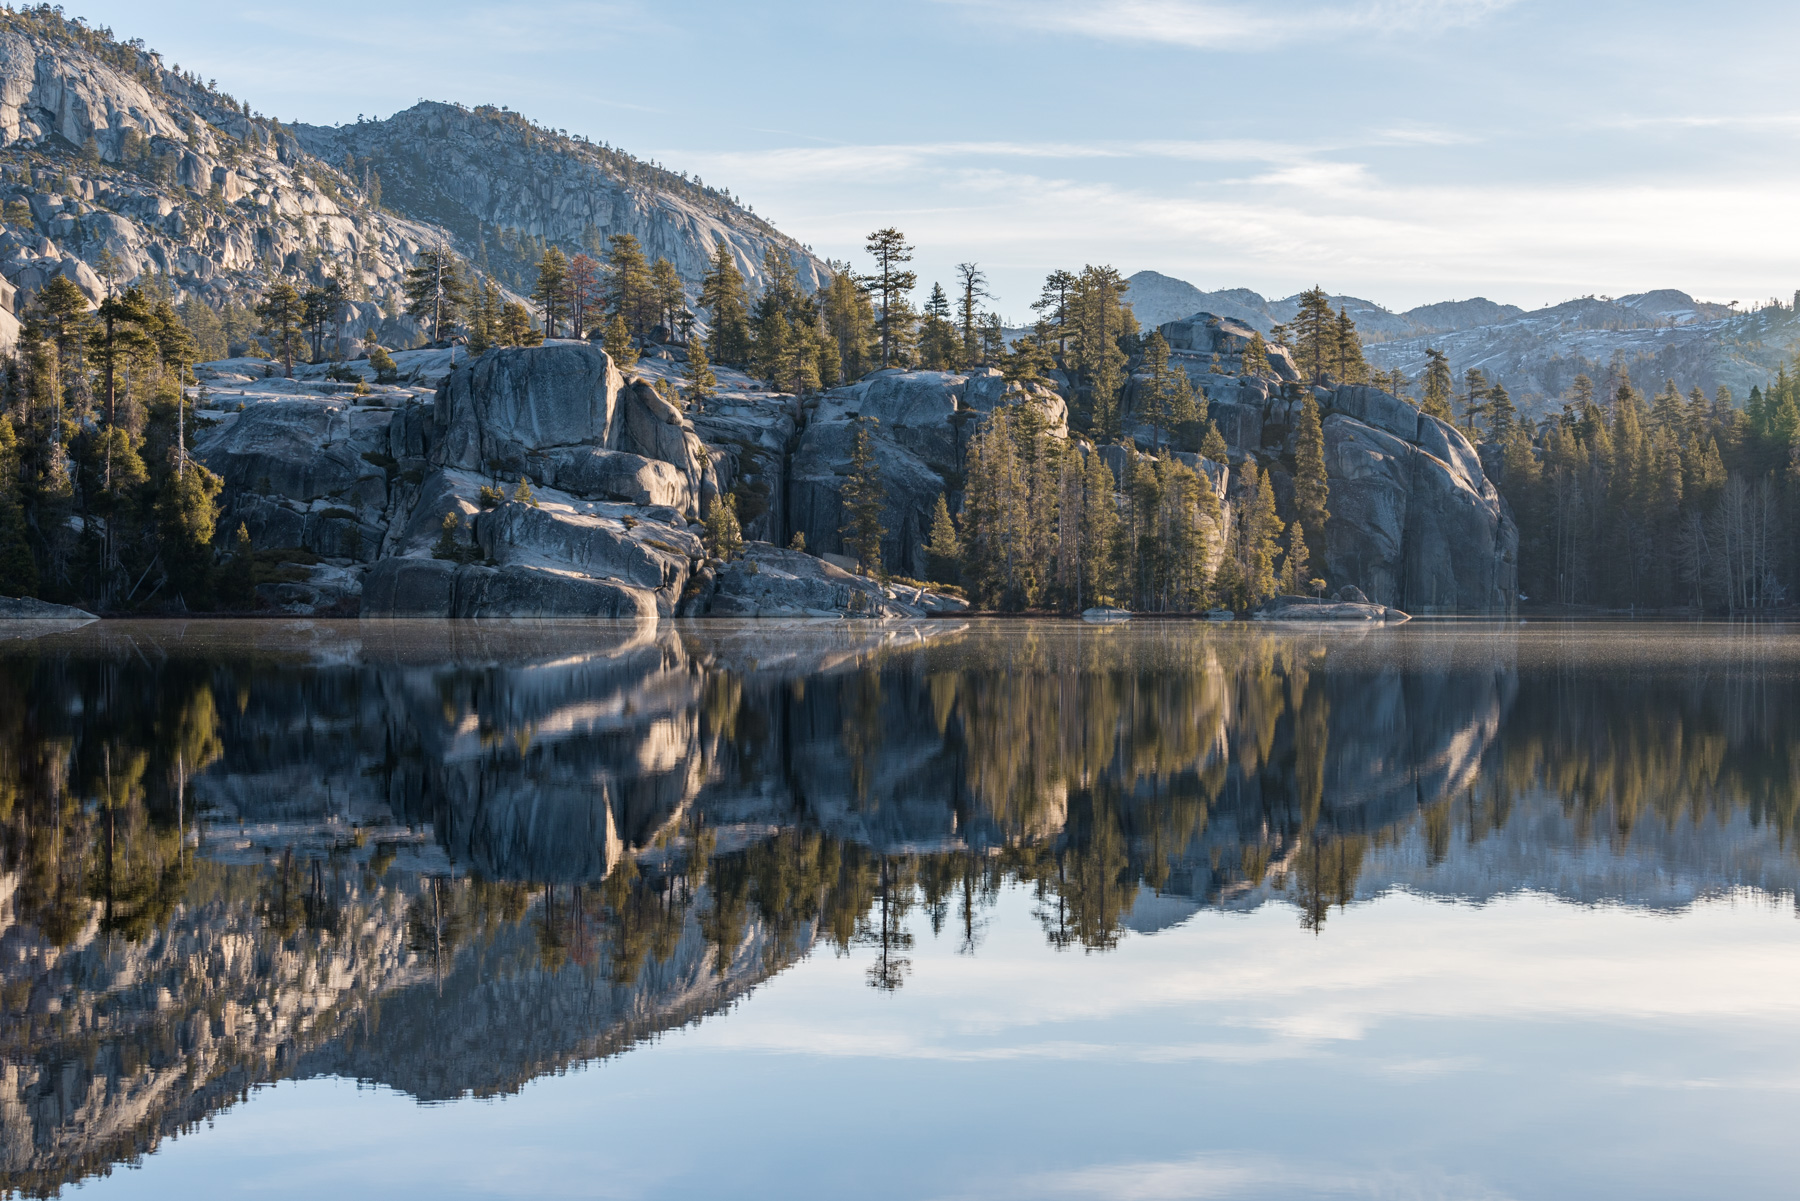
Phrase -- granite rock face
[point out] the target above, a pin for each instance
(488, 168)
(919, 423)
(1416, 523)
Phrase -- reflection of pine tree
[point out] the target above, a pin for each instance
(885, 929)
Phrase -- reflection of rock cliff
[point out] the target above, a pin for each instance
(450, 857)
(441, 989)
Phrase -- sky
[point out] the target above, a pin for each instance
(1404, 151)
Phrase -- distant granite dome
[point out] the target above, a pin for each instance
(116, 164)
(490, 175)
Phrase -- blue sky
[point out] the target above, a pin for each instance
(1402, 150)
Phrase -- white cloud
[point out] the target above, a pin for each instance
(1223, 24)
(1244, 1177)
(1277, 216)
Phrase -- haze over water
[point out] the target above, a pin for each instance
(1000, 910)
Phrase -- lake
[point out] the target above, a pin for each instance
(995, 909)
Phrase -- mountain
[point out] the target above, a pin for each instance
(1648, 337)
(113, 164)
(504, 185)
(1157, 298)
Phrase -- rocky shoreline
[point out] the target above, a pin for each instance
(544, 482)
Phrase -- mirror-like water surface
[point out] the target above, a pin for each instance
(808, 910)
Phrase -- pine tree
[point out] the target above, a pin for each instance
(702, 384)
(1296, 571)
(1474, 398)
(281, 312)
(1099, 532)
(629, 293)
(1053, 307)
(724, 537)
(943, 551)
(1315, 333)
(1101, 320)
(1312, 489)
(722, 295)
(1212, 446)
(1439, 384)
(581, 293)
(891, 284)
(1259, 533)
(1502, 415)
(434, 290)
(670, 294)
(1347, 356)
(551, 290)
(974, 290)
(939, 348)
(1157, 396)
(850, 318)
(1256, 357)
(187, 513)
(863, 498)
(320, 309)
(119, 337)
(620, 344)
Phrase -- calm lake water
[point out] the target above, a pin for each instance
(831, 910)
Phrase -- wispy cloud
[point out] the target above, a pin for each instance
(1228, 24)
(1242, 1176)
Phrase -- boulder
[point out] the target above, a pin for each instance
(815, 493)
(327, 591)
(747, 441)
(1371, 480)
(1306, 608)
(650, 556)
(440, 588)
(1376, 409)
(618, 475)
(915, 410)
(26, 608)
(301, 450)
(770, 582)
(1414, 531)
(1462, 548)
(506, 404)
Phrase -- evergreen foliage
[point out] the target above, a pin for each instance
(620, 344)
(552, 290)
(891, 285)
(864, 498)
(435, 290)
(722, 295)
(698, 373)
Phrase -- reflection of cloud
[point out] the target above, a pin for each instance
(1237, 1176)
(1246, 990)
(1222, 24)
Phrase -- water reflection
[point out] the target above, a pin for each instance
(452, 858)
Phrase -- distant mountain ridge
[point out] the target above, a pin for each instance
(1648, 337)
(1157, 298)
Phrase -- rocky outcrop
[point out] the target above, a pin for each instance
(1416, 524)
(919, 423)
(1306, 608)
(769, 582)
